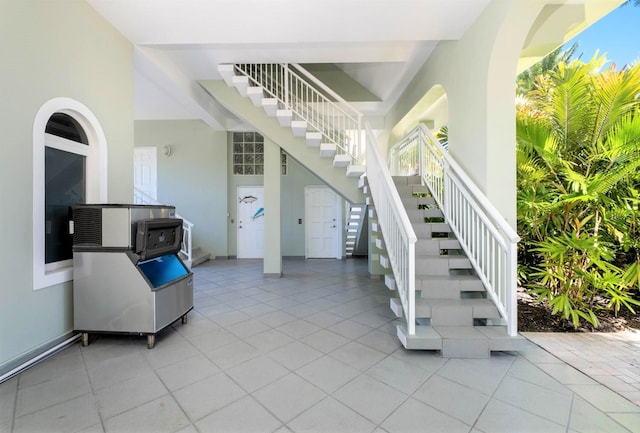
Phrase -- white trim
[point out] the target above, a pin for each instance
(96, 177)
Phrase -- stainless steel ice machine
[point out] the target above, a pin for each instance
(127, 275)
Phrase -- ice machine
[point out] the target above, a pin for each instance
(127, 274)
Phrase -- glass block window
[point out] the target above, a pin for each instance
(248, 155)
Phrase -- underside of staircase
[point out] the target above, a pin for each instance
(453, 312)
(296, 136)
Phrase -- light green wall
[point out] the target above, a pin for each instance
(52, 49)
(291, 202)
(478, 73)
(194, 177)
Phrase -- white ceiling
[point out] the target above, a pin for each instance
(379, 43)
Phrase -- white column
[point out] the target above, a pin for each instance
(272, 210)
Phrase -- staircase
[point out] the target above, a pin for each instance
(190, 254)
(282, 92)
(356, 234)
(452, 312)
(455, 279)
(198, 256)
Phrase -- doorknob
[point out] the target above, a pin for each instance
(333, 226)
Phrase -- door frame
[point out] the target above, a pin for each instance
(338, 241)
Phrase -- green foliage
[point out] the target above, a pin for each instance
(525, 81)
(578, 158)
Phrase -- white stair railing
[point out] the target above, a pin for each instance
(140, 197)
(397, 231)
(488, 240)
(312, 101)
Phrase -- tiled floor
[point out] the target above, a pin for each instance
(314, 351)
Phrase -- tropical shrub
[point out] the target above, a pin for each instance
(578, 155)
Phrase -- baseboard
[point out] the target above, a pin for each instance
(31, 358)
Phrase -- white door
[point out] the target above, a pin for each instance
(250, 222)
(323, 228)
(145, 175)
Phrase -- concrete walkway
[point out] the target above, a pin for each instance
(612, 359)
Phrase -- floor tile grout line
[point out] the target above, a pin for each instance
(582, 372)
(15, 404)
(93, 391)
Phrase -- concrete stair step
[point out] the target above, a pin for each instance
(425, 338)
(198, 256)
(455, 312)
(419, 215)
(227, 72)
(411, 202)
(441, 265)
(463, 342)
(256, 94)
(327, 150)
(460, 342)
(390, 282)
(447, 286)
(435, 246)
(431, 230)
(241, 82)
(500, 340)
(299, 128)
(356, 170)
(406, 180)
(313, 139)
(270, 106)
(408, 191)
(341, 160)
(284, 117)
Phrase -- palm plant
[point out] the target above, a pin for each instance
(578, 137)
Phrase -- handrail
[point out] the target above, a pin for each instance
(141, 197)
(325, 88)
(339, 122)
(397, 231)
(486, 237)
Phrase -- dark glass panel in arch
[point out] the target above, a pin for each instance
(64, 187)
(65, 126)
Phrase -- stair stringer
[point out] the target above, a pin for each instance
(269, 127)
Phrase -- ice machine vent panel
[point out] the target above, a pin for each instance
(87, 223)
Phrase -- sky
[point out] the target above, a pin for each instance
(617, 35)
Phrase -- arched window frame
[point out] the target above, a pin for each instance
(96, 178)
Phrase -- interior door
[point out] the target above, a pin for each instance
(250, 222)
(145, 177)
(323, 228)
